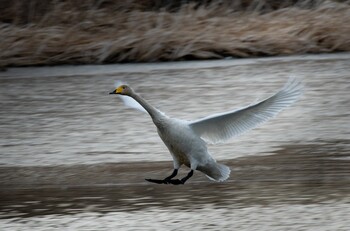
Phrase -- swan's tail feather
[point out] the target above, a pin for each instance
(216, 171)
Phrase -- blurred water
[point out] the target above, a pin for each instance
(72, 120)
(74, 157)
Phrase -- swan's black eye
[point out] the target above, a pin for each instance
(124, 87)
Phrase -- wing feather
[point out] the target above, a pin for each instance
(128, 101)
(221, 127)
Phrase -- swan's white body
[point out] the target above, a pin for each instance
(187, 140)
(187, 148)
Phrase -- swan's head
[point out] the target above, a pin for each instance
(122, 90)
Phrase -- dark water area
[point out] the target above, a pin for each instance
(72, 157)
(295, 174)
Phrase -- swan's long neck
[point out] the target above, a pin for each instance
(152, 111)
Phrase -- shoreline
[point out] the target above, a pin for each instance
(109, 69)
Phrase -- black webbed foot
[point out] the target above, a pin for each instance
(156, 181)
(166, 181)
(175, 181)
(169, 180)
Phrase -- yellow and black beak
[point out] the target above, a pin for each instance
(117, 91)
(113, 92)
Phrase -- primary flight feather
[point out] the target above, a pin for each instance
(186, 140)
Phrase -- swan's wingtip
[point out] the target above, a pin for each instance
(294, 85)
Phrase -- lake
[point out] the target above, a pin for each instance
(74, 157)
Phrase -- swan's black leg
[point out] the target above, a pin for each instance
(183, 180)
(166, 180)
(189, 175)
(172, 175)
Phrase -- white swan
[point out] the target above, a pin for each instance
(186, 140)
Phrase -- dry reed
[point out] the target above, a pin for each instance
(93, 35)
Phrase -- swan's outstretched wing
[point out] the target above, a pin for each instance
(128, 101)
(221, 127)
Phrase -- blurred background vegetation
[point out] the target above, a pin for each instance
(52, 32)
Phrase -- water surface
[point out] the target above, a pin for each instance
(74, 157)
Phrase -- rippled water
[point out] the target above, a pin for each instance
(73, 156)
(72, 120)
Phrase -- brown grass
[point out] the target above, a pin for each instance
(67, 33)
